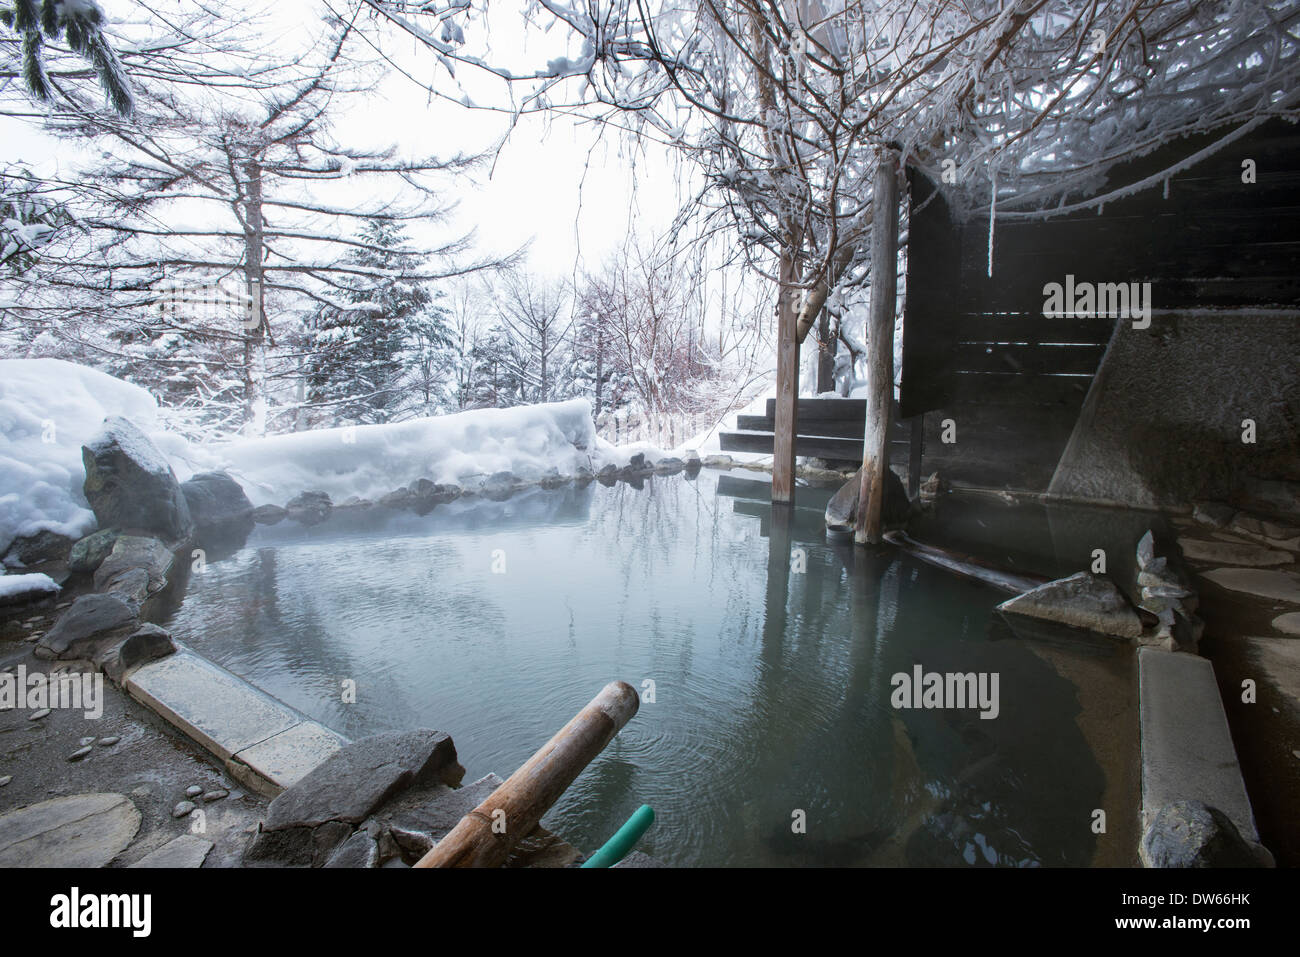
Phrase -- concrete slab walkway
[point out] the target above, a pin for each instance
(265, 744)
(1187, 750)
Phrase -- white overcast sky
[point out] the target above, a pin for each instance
(552, 182)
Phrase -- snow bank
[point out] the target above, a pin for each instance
(371, 460)
(48, 409)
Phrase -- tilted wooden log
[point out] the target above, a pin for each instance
(485, 836)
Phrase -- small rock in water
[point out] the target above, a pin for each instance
(37, 715)
(109, 741)
(1146, 550)
(85, 741)
(193, 791)
(183, 809)
(6, 779)
(79, 754)
(215, 795)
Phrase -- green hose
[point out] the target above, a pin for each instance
(618, 846)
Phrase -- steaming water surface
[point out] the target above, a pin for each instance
(497, 621)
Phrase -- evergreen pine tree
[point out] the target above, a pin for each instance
(361, 348)
(80, 24)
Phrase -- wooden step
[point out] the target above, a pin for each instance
(818, 446)
(850, 428)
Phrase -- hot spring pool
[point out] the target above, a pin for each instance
(497, 621)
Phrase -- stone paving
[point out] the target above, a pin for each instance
(1249, 579)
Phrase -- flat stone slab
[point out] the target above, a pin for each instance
(1187, 751)
(286, 758)
(1226, 553)
(83, 830)
(1270, 533)
(1260, 582)
(188, 851)
(1288, 624)
(223, 713)
(1280, 660)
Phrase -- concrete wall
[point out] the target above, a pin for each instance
(1162, 423)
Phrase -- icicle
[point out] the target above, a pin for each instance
(993, 217)
(1166, 187)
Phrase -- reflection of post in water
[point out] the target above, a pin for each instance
(778, 581)
(826, 746)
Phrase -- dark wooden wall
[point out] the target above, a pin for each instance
(978, 350)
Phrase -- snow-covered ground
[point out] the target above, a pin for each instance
(50, 408)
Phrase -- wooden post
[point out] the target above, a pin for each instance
(880, 348)
(914, 456)
(485, 836)
(787, 384)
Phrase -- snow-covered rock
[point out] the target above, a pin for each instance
(48, 409)
(20, 589)
(130, 484)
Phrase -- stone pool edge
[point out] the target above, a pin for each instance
(263, 743)
(1185, 743)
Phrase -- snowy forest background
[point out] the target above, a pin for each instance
(214, 232)
(222, 226)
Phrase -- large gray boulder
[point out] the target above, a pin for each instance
(1192, 834)
(308, 820)
(1083, 600)
(218, 505)
(130, 485)
(841, 510)
(89, 624)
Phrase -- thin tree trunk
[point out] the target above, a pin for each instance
(825, 355)
(255, 325)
